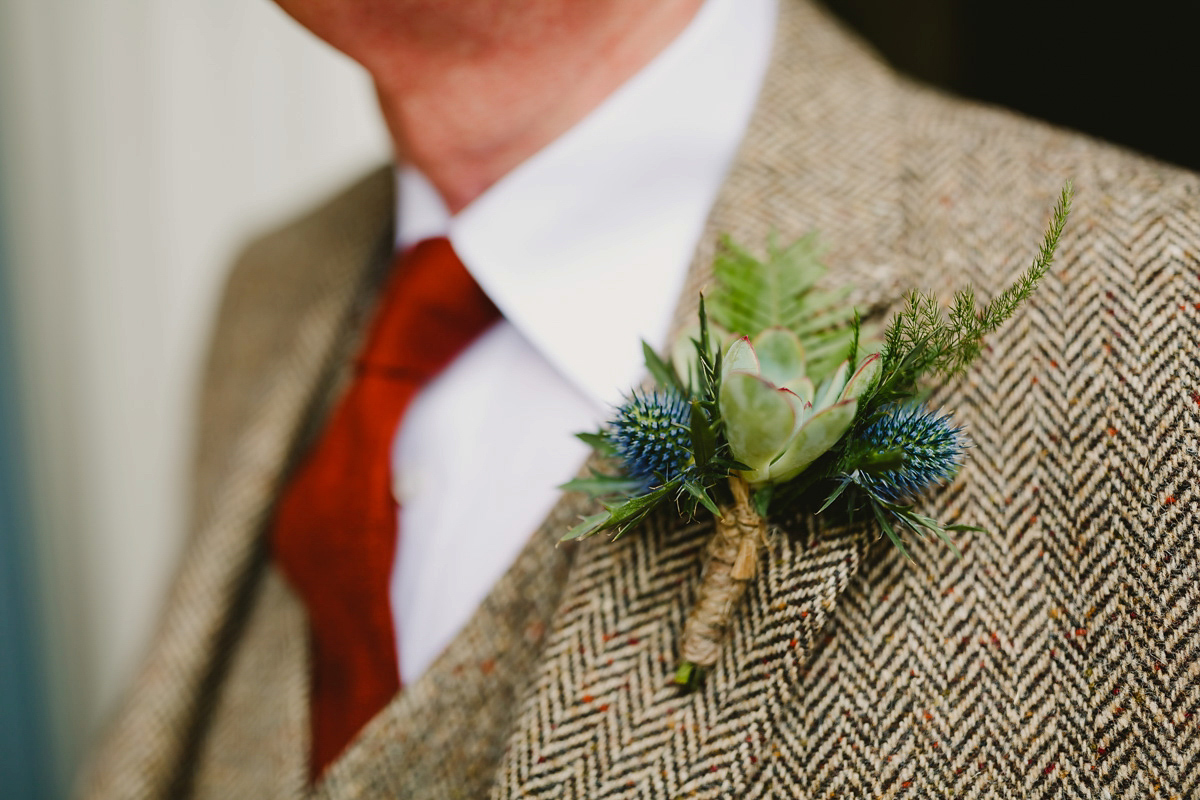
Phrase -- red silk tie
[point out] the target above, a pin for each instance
(334, 533)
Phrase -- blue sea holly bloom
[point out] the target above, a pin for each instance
(927, 444)
(652, 436)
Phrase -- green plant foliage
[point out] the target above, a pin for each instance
(924, 339)
(601, 485)
(628, 501)
(598, 442)
(662, 372)
(752, 295)
(709, 380)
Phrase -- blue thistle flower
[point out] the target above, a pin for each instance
(908, 449)
(651, 433)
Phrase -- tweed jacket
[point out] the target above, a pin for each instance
(1058, 657)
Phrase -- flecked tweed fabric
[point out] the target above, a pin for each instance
(1057, 658)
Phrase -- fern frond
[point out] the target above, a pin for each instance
(753, 295)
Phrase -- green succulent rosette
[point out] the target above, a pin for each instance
(777, 423)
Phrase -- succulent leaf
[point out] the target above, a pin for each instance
(818, 434)
(759, 418)
(740, 357)
(780, 356)
(863, 377)
(831, 387)
(777, 430)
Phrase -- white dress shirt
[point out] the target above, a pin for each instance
(584, 248)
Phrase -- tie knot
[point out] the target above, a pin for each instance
(431, 309)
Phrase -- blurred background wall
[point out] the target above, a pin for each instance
(26, 763)
(142, 140)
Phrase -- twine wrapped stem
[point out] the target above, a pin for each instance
(730, 565)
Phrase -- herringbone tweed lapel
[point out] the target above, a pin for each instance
(1058, 657)
(206, 713)
(603, 717)
(441, 736)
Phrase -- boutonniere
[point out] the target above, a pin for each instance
(780, 401)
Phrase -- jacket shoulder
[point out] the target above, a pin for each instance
(280, 281)
(1121, 304)
(979, 166)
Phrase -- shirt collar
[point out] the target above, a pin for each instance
(585, 246)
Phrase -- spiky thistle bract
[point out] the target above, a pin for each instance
(651, 435)
(668, 443)
(906, 450)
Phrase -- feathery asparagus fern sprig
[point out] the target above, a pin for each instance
(924, 339)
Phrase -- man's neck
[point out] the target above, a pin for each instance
(466, 106)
